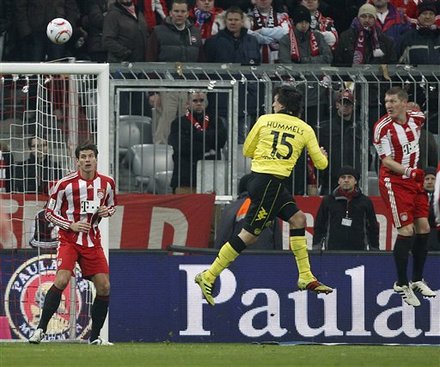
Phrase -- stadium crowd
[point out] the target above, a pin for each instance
(133, 30)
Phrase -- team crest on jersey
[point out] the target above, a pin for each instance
(404, 216)
(25, 295)
(101, 193)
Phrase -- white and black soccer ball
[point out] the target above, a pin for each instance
(59, 31)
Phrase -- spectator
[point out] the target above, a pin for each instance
(429, 186)
(208, 18)
(364, 42)
(155, 12)
(93, 22)
(396, 139)
(341, 136)
(6, 17)
(346, 219)
(31, 18)
(436, 202)
(392, 22)
(124, 35)
(234, 45)
(176, 40)
(232, 221)
(421, 45)
(322, 24)
(39, 171)
(195, 136)
(268, 26)
(6, 163)
(303, 45)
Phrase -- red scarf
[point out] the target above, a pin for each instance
(348, 194)
(359, 49)
(190, 117)
(294, 49)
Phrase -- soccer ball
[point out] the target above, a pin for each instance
(59, 31)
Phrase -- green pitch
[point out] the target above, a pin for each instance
(213, 354)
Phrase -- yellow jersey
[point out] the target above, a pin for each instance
(276, 141)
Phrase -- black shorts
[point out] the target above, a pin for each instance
(269, 199)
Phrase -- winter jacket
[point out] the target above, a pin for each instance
(167, 43)
(329, 231)
(325, 54)
(396, 24)
(28, 180)
(347, 43)
(191, 145)
(124, 37)
(342, 140)
(224, 47)
(33, 16)
(93, 23)
(420, 47)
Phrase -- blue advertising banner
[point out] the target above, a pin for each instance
(154, 298)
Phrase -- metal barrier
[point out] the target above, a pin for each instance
(146, 97)
(239, 94)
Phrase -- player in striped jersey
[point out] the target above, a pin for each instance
(396, 139)
(274, 144)
(436, 202)
(77, 204)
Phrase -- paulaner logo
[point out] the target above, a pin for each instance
(25, 295)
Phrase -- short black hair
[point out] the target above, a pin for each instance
(290, 98)
(234, 9)
(87, 145)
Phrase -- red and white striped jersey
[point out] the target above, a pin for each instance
(74, 199)
(401, 142)
(436, 200)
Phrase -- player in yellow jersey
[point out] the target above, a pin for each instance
(274, 144)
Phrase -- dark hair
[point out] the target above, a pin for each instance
(399, 92)
(290, 98)
(234, 9)
(87, 145)
(179, 2)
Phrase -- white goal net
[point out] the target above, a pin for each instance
(46, 110)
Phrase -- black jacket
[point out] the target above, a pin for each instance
(27, 180)
(346, 46)
(124, 37)
(364, 229)
(191, 145)
(342, 140)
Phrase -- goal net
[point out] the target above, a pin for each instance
(46, 110)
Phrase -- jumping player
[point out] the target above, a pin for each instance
(396, 139)
(274, 144)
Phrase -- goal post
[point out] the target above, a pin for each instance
(80, 87)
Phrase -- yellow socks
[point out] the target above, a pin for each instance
(225, 256)
(298, 245)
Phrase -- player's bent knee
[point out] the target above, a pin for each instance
(298, 220)
(62, 279)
